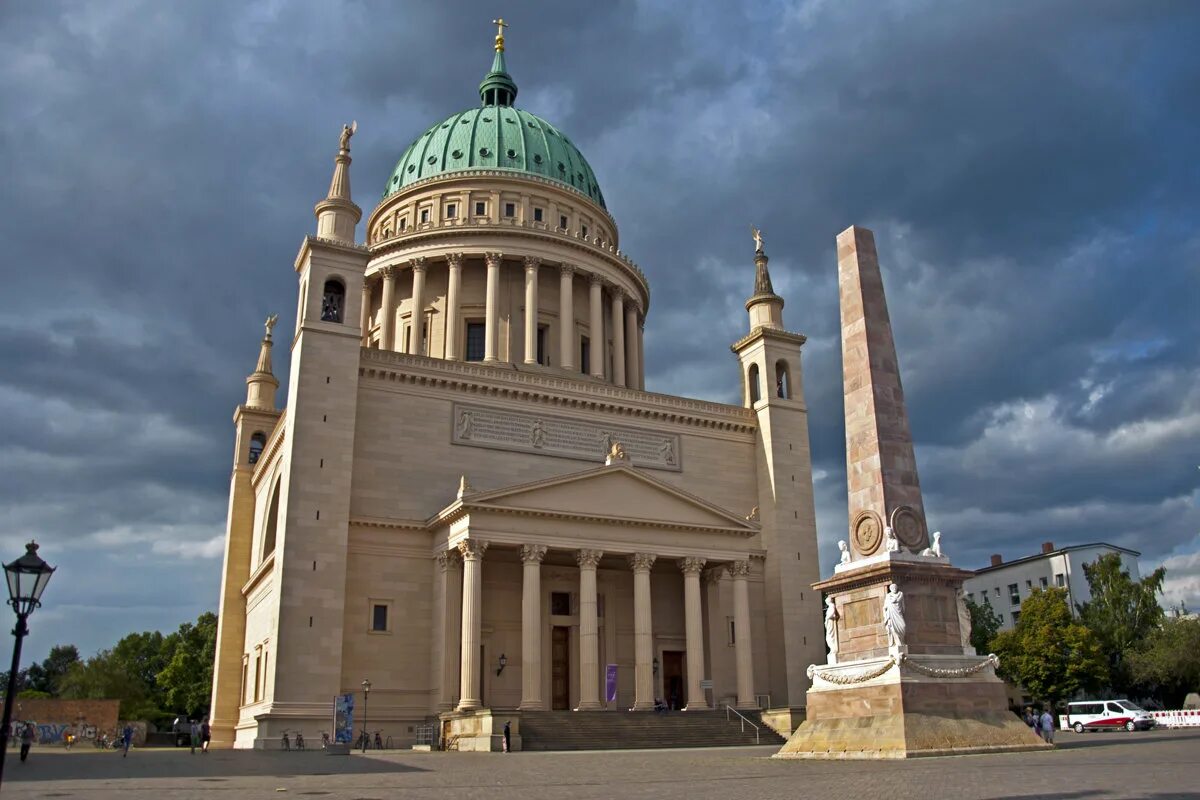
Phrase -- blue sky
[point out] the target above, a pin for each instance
(1029, 170)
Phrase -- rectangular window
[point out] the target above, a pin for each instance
(1044, 583)
(986, 600)
(560, 604)
(585, 355)
(1029, 585)
(451, 210)
(543, 357)
(476, 331)
(424, 215)
(1059, 580)
(971, 596)
(245, 676)
(379, 617)
(583, 230)
(258, 676)
(1014, 594)
(732, 631)
(510, 209)
(562, 222)
(537, 215)
(996, 589)
(404, 223)
(1016, 617)
(480, 208)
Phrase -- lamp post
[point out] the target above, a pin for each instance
(27, 579)
(366, 684)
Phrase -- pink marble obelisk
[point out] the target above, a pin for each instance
(881, 471)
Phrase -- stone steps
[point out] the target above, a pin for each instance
(618, 730)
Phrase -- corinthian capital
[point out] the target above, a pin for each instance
(493, 259)
(588, 559)
(642, 562)
(533, 553)
(472, 549)
(418, 264)
(739, 569)
(455, 260)
(566, 269)
(449, 559)
(532, 262)
(388, 273)
(691, 565)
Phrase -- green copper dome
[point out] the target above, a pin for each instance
(498, 137)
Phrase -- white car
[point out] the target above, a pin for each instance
(1094, 715)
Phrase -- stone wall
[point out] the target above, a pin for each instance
(87, 718)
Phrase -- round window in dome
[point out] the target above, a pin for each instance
(532, 125)
(445, 124)
(395, 179)
(561, 167)
(431, 160)
(537, 158)
(487, 119)
(510, 120)
(511, 153)
(483, 151)
(465, 122)
(457, 154)
(412, 167)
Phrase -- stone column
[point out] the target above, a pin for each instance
(531, 627)
(694, 627)
(387, 323)
(618, 331)
(472, 615)
(453, 291)
(589, 639)
(416, 337)
(744, 652)
(596, 326)
(492, 312)
(364, 314)
(566, 317)
(643, 632)
(631, 343)
(641, 340)
(531, 308)
(450, 627)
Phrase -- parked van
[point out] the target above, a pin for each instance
(1093, 715)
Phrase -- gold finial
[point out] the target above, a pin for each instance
(500, 26)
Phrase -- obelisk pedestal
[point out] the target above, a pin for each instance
(902, 679)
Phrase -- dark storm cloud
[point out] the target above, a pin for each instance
(1028, 168)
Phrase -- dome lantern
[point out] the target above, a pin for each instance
(498, 88)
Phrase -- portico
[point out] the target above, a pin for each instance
(590, 582)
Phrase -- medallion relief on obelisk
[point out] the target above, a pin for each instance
(881, 470)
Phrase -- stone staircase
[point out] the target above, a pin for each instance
(620, 730)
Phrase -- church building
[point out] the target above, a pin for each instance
(471, 499)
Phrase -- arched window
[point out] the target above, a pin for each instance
(333, 302)
(257, 443)
(755, 388)
(783, 380)
(272, 525)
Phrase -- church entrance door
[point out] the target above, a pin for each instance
(560, 668)
(673, 678)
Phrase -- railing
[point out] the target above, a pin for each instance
(745, 722)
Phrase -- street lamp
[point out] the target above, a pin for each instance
(366, 684)
(27, 579)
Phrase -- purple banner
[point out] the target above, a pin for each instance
(610, 683)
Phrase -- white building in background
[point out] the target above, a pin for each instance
(1004, 585)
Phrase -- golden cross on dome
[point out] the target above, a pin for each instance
(500, 26)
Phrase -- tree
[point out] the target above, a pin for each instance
(105, 676)
(1169, 662)
(1122, 613)
(186, 680)
(1048, 652)
(42, 679)
(985, 624)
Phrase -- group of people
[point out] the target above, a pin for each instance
(1041, 724)
(201, 735)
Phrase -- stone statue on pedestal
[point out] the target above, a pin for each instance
(964, 621)
(845, 556)
(893, 616)
(831, 631)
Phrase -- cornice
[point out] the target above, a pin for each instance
(257, 577)
(502, 382)
(768, 333)
(460, 509)
(888, 571)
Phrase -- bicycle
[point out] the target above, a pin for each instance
(285, 741)
(363, 742)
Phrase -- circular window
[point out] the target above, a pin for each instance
(395, 179)
(483, 151)
(580, 176)
(537, 158)
(532, 125)
(511, 153)
(457, 154)
(412, 167)
(445, 124)
(431, 160)
(510, 120)
(487, 119)
(561, 167)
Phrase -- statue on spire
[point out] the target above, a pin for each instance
(758, 239)
(347, 132)
(270, 324)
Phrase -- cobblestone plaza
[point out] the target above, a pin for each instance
(1158, 764)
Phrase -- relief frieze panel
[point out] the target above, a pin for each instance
(564, 437)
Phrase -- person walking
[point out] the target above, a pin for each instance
(1048, 726)
(195, 736)
(27, 734)
(205, 735)
(507, 736)
(126, 739)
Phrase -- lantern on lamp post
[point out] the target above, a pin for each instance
(366, 687)
(27, 579)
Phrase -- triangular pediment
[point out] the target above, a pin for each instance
(617, 492)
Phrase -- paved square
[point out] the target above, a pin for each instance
(1158, 764)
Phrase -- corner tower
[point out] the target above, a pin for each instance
(769, 357)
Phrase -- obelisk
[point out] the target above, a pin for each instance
(881, 470)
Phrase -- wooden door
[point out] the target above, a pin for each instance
(560, 668)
